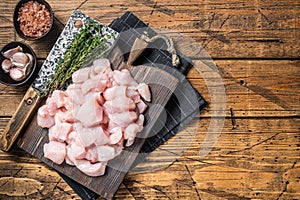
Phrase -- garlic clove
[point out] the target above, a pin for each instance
(28, 68)
(20, 59)
(17, 74)
(30, 57)
(9, 53)
(6, 65)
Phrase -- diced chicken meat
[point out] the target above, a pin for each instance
(113, 92)
(124, 78)
(90, 113)
(91, 169)
(116, 135)
(141, 106)
(105, 153)
(89, 122)
(60, 131)
(89, 136)
(130, 133)
(144, 91)
(88, 86)
(58, 97)
(81, 75)
(140, 121)
(44, 118)
(123, 119)
(76, 152)
(100, 65)
(75, 96)
(119, 105)
(55, 151)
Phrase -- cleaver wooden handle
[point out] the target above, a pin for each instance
(20, 119)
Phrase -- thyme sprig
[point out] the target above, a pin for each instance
(84, 42)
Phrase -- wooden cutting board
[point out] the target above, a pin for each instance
(162, 85)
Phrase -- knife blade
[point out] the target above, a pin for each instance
(32, 99)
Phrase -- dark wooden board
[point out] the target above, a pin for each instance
(162, 86)
(184, 104)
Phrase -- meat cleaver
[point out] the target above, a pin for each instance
(32, 98)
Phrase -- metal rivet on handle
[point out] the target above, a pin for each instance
(29, 101)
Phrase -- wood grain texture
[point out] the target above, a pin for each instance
(255, 46)
(253, 87)
(226, 29)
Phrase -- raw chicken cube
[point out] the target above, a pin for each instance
(75, 152)
(89, 136)
(96, 169)
(113, 92)
(124, 78)
(55, 151)
(118, 105)
(102, 83)
(76, 96)
(133, 94)
(144, 91)
(88, 85)
(81, 75)
(130, 133)
(66, 116)
(140, 122)
(72, 137)
(141, 106)
(44, 119)
(92, 154)
(123, 119)
(90, 113)
(69, 161)
(100, 65)
(58, 97)
(60, 131)
(51, 106)
(116, 135)
(105, 153)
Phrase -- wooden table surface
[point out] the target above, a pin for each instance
(256, 47)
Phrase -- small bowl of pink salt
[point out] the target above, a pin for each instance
(33, 19)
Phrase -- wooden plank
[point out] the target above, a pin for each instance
(25, 176)
(8, 34)
(253, 87)
(269, 89)
(258, 159)
(6, 19)
(226, 30)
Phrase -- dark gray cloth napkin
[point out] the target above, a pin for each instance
(180, 110)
